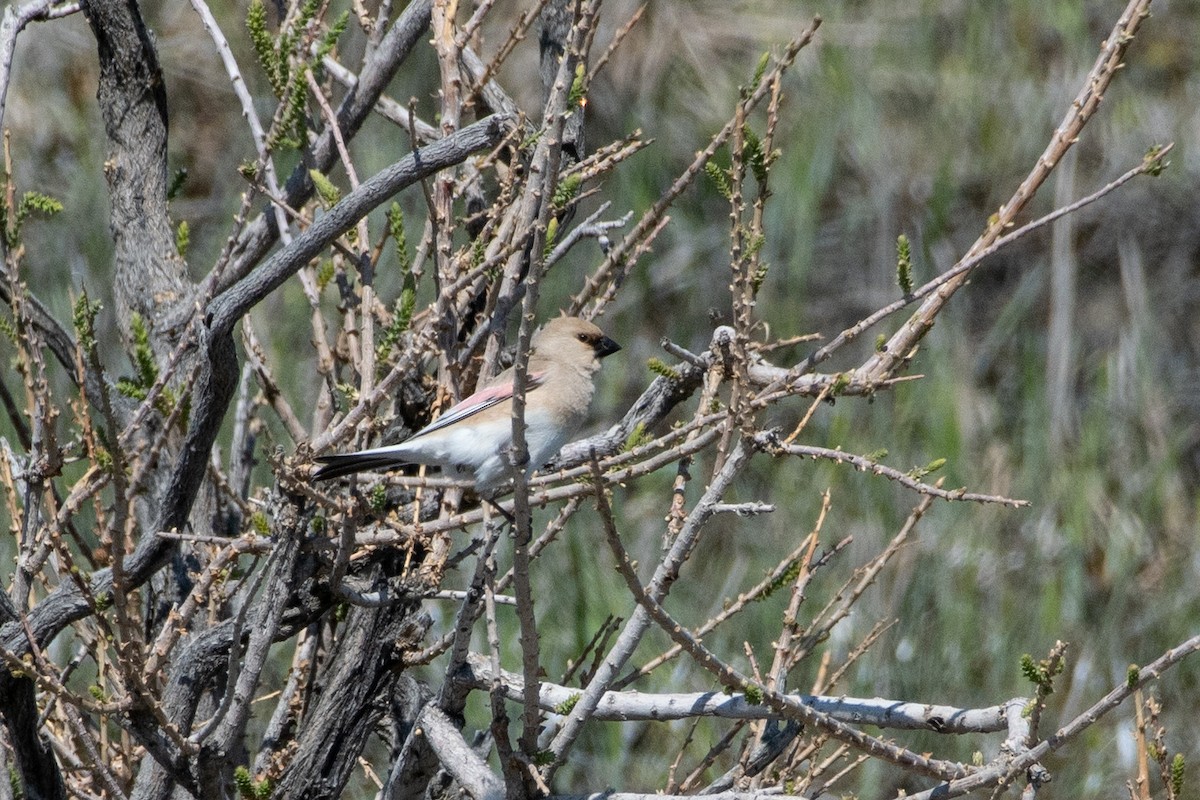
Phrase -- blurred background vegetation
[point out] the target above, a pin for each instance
(1067, 374)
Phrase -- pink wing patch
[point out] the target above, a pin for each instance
(484, 398)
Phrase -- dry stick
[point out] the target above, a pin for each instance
(15, 19)
(1053, 665)
(823, 788)
(1150, 164)
(777, 676)
(758, 592)
(247, 102)
(789, 707)
(440, 198)
(710, 757)
(647, 706)
(468, 31)
(1004, 774)
(553, 528)
(273, 738)
(839, 606)
(881, 627)
(867, 465)
(604, 159)
(733, 348)
(780, 665)
(451, 594)
(469, 771)
(174, 422)
(499, 726)
(115, 536)
(594, 647)
(46, 678)
(96, 764)
(617, 39)
(385, 106)
(236, 487)
(590, 227)
(362, 257)
(620, 258)
(451, 697)
(672, 786)
(238, 663)
(465, 621)
(882, 364)
(660, 584)
(179, 619)
(544, 171)
(270, 387)
(483, 74)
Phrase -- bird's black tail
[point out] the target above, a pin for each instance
(336, 466)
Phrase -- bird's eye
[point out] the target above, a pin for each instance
(583, 337)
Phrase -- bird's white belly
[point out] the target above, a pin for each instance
(483, 448)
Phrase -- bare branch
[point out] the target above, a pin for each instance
(228, 307)
(648, 706)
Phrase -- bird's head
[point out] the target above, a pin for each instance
(573, 340)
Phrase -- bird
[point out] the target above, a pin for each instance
(472, 439)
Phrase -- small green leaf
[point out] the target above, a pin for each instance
(904, 265)
(264, 45)
(31, 203)
(1154, 165)
(331, 36)
(177, 181)
(182, 239)
(759, 277)
(36, 202)
(84, 319)
(761, 69)
(402, 315)
(326, 190)
(720, 179)
(395, 226)
(243, 781)
(578, 87)
(551, 235)
(754, 155)
(918, 473)
(660, 367)
(325, 273)
(143, 354)
(637, 437)
(566, 191)
(565, 706)
(378, 499)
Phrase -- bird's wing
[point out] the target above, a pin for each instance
(484, 398)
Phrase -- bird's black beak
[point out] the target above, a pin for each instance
(605, 346)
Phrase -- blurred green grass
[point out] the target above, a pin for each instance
(917, 118)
